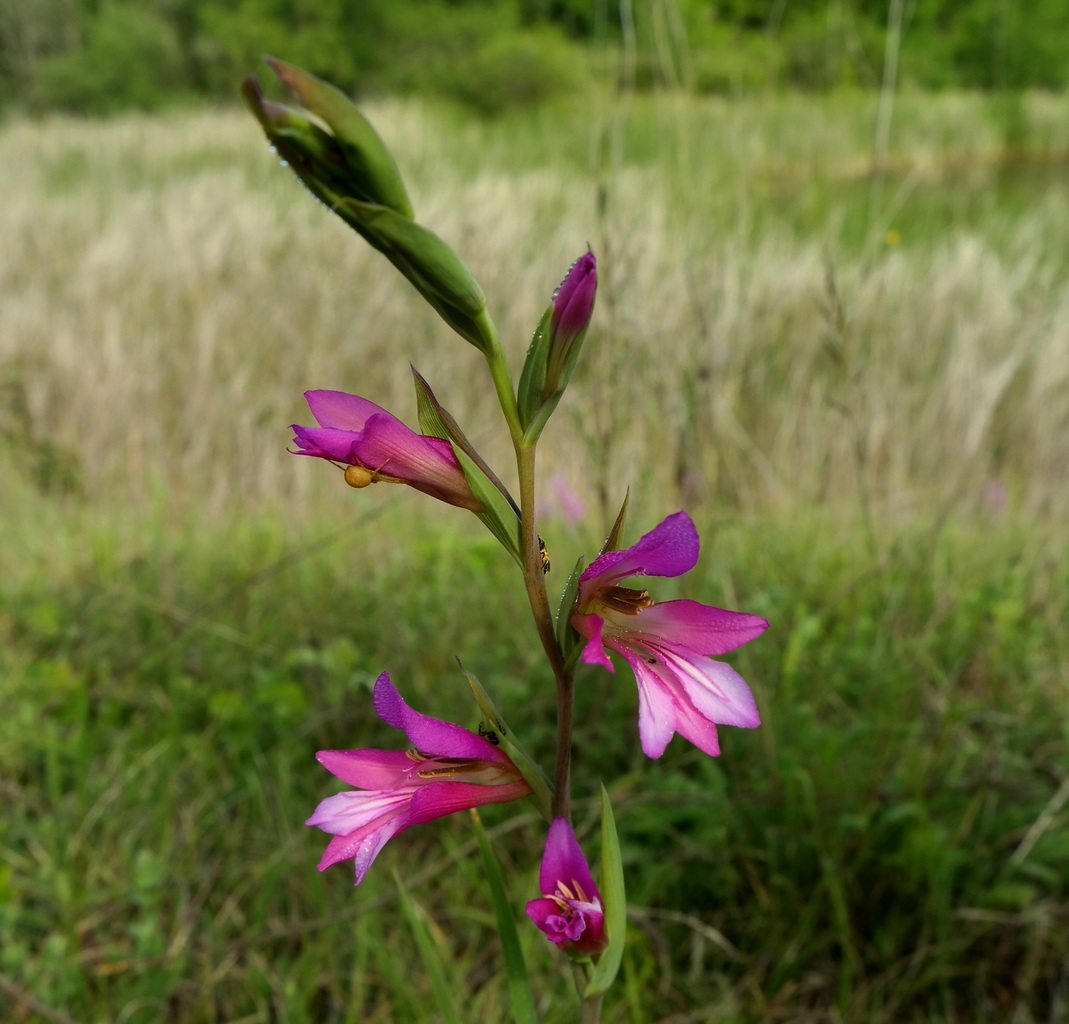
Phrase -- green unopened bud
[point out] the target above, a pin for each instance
(370, 171)
(313, 154)
(350, 170)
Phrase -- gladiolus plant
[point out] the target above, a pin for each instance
(605, 609)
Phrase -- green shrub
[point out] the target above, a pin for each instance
(132, 60)
(513, 70)
(822, 53)
(331, 40)
(728, 61)
(477, 56)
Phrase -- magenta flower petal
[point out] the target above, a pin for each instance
(341, 410)
(574, 301)
(346, 813)
(362, 847)
(669, 549)
(669, 645)
(563, 859)
(659, 718)
(688, 695)
(323, 443)
(442, 798)
(426, 733)
(698, 626)
(370, 769)
(448, 769)
(570, 912)
(595, 652)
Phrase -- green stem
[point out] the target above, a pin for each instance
(591, 1010)
(533, 575)
(499, 372)
(589, 1006)
(535, 582)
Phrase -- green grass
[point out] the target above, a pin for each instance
(867, 852)
(870, 437)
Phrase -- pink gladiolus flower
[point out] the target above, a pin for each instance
(378, 448)
(668, 645)
(570, 911)
(449, 769)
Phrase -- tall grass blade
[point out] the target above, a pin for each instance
(416, 917)
(612, 892)
(520, 995)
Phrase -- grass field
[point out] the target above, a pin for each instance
(855, 379)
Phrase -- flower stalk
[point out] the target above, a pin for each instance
(670, 647)
(535, 582)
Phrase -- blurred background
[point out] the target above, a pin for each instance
(832, 323)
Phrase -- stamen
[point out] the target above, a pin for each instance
(626, 600)
(475, 770)
(434, 773)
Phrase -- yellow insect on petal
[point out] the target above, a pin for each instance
(358, 476)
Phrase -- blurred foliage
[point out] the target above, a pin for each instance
(98, 56)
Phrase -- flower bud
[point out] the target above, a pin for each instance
(572, 306)
(555, 346)
(359, 165)
(350, 170)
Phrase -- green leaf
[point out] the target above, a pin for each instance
(431, 413)
(520, 995)
(533, 431)
(437, 421)
(612, 542)
(541, 790)
(533, 374)
(500, 517)
(612, 892)
(417, 920)
(567, 637)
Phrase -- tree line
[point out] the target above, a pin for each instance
(99, 56)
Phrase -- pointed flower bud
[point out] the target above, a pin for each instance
(430, 265)
(350, 170)
(572, 307)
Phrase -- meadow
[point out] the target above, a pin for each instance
(852, 368)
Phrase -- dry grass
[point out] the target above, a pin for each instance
(169, 292)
